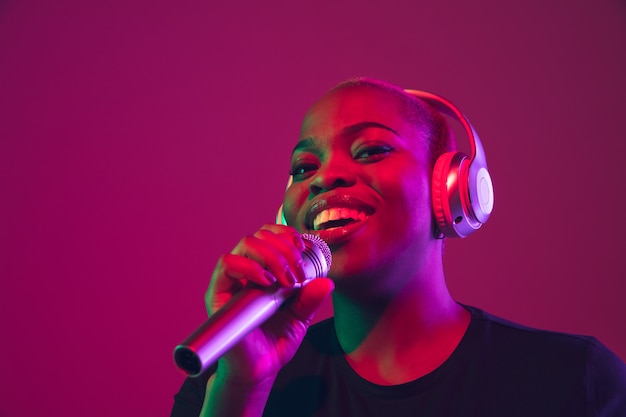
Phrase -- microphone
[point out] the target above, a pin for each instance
(246, 311)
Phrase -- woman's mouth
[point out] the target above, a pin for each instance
(335, 217)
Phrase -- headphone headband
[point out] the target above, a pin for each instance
(445, 106)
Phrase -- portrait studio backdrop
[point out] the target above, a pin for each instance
(140, 140)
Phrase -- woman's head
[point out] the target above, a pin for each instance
(362, 177)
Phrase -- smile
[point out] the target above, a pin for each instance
(334, 217)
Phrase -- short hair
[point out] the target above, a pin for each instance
(431, 125)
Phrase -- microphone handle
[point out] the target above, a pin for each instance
(246, 311)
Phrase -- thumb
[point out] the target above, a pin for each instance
(311, 298)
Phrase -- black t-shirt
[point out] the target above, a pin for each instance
(498, 369)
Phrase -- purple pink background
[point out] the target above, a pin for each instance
(139, 140)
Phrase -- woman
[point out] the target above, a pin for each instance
(398, 345)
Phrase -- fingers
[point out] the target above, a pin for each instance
(243, 269)
(271, 256)
(288, 233)
(275, 253)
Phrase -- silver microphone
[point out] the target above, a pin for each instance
(246, 311)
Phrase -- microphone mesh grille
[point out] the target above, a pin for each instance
(321, 245)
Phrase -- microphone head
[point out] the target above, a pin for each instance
(317, 256)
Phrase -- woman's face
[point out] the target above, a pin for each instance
(361, 182)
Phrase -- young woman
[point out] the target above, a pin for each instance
(398, 344)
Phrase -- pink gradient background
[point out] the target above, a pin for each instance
(139, 140)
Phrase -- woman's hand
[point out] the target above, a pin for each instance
(271, 256)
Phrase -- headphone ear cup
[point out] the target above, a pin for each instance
(280, 216)
(452, 205)
(480, 192)
(439, 191)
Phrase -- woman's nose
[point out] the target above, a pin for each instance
(332, 175)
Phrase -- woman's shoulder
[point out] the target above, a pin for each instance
(492, 327)
(538, 348)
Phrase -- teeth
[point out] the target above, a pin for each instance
(337, 213)
(323, 217)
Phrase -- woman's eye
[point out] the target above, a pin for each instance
(302, 171)
(373, 153)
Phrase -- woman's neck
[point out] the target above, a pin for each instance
(395, 338)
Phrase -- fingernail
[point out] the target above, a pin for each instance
(290, 276)
(301, 271)
(299, 242)
(271, 279)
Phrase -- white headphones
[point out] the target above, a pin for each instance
(462, 190)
